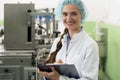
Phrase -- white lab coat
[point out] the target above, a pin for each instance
(82, 52)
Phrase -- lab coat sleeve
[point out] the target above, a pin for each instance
(90, 65)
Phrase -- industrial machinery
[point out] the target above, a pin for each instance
(28, 35)
(18, 29)
(101, 39)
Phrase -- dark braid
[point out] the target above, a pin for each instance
(51, 59)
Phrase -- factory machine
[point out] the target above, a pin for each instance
(101, 39)
(28, 35)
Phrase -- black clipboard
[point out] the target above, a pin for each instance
(63, 69)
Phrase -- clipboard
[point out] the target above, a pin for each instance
(63, 69)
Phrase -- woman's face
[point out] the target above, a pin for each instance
(71, 17)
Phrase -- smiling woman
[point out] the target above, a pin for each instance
(74, 46)
(71, 17)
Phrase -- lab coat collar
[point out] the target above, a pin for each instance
(77, 36)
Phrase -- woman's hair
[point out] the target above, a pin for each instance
(51, 59)
(80, 5)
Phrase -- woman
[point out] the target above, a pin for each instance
(75, 46)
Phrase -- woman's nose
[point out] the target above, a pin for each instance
(69, 18)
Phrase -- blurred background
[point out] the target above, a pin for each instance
(102, 24)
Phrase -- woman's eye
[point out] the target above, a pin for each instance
(73, 13)
(64, 14)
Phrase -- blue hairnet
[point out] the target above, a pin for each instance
(78, 3)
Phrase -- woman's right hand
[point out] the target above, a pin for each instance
(54, 75)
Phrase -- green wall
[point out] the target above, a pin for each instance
(113, 55)
(1, 23)
(112, 66)
(90, 28)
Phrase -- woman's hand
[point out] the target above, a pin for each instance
(58, 62)
(54, 75)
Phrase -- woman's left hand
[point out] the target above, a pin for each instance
(54, 75)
